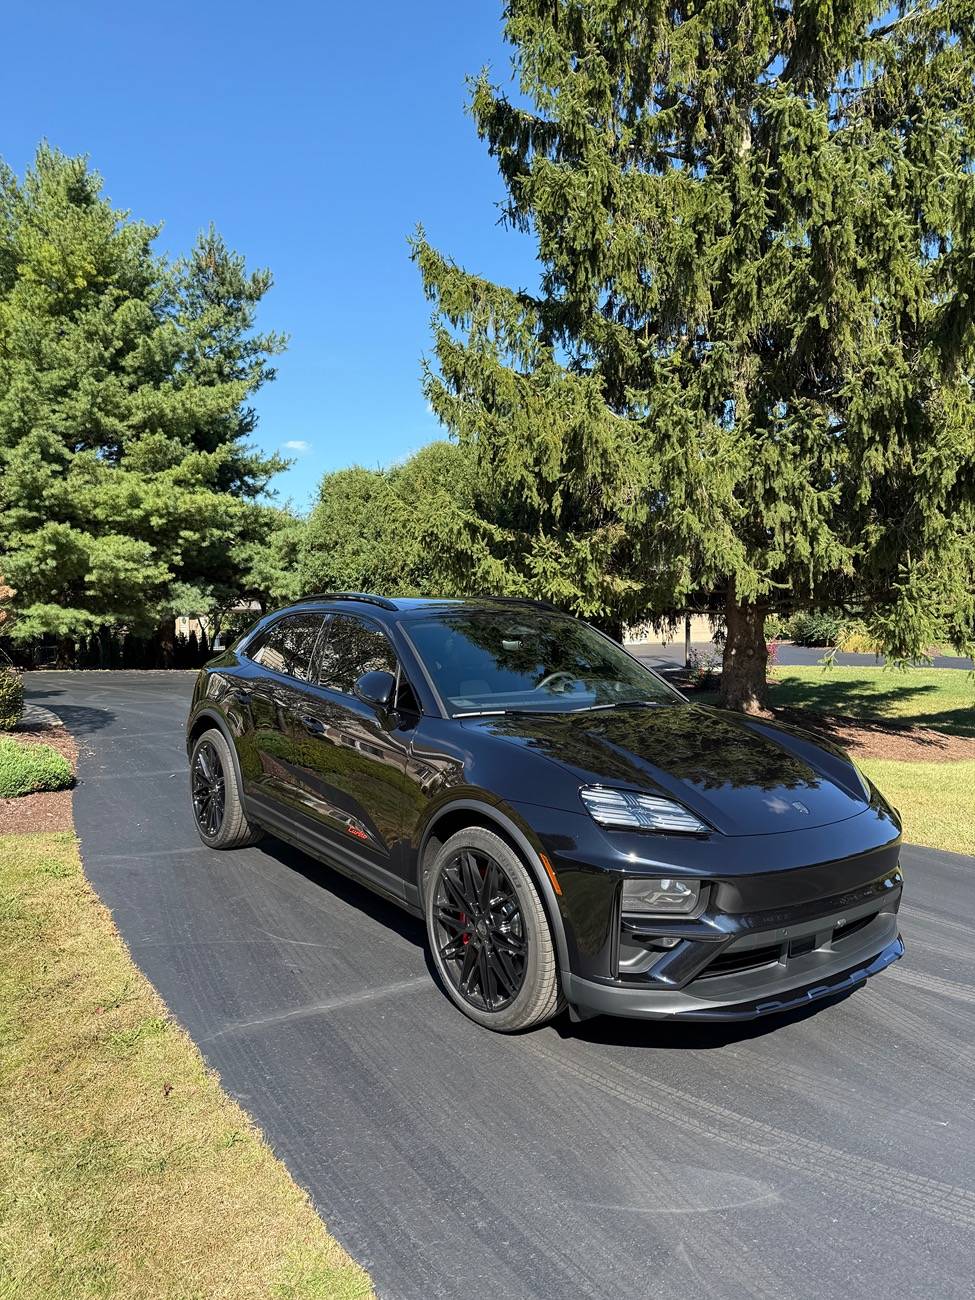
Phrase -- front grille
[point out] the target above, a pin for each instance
(731, 963)
(841, 932)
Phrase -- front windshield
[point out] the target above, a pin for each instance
(490, 661)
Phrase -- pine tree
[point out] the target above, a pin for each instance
(127, 486)
(745, 379)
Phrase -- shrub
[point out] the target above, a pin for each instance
(776, 627)
(815, 628)
(855, 639)
(702, 669)
(11, 698)
(25, 769)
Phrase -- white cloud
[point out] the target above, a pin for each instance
(297, 444)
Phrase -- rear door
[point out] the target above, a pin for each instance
(269, 699)
(349, 758)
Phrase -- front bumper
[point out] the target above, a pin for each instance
(741, 970)
(602, 999)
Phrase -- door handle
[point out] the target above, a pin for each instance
(313, 725)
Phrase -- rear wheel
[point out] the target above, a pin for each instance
(217, 808)
(489, 935)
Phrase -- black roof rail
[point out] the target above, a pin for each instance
(364, 596)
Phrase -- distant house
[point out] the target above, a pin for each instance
(702, 632)
(197, 624)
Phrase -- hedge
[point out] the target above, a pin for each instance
(11, 698)
(26, 769)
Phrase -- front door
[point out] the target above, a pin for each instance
(349, 758)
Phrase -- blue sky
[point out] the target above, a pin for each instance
(315, 137)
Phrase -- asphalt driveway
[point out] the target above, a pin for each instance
(831, 1154)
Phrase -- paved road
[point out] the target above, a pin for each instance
(831, 1154)
(660, 655)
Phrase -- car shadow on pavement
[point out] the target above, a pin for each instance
(364, 900)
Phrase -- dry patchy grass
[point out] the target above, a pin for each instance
(127, 1172)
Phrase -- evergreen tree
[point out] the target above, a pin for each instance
(385, 530)
(269, 560)
(127, 486)
(746, 376)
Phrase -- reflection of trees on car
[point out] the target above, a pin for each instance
(542, 650)
(288, 646)
(692, 745)
(351, 648)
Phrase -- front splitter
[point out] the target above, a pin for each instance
(612, 1000)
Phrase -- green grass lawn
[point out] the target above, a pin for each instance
(127, 1174)
(940, 698)
(936, 798)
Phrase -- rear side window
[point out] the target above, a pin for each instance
(350, 648)
(287, 646)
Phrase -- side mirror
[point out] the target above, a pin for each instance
(376, 689)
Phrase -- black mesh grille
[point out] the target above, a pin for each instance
(729, 963)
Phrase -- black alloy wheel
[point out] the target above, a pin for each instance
(489, 935)
(209, 789)
(217, 805)
(480, 931)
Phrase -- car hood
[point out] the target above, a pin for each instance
(743, 775)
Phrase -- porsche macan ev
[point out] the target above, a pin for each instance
(574, 832)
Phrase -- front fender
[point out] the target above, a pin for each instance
(526, 842)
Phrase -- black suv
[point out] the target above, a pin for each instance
(571, 828)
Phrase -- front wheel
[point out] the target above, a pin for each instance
(489, 935)
(217, 808)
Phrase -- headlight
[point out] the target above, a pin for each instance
(622, 809)
(661, 897)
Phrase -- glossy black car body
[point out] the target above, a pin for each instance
(798, 864)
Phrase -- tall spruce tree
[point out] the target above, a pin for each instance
(127, 486)
(745, 380)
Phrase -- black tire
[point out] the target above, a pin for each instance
(217, 810)
(489, 935)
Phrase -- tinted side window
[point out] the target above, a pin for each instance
(351, 648)
(287, 646)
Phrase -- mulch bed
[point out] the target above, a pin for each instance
(51, 809)
(882, 738)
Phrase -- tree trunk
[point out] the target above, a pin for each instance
(743, 671)
(166, 637)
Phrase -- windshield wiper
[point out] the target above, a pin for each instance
(551, 713)
(629, 704)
